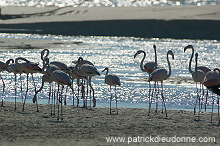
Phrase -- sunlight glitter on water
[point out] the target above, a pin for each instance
(117, 54)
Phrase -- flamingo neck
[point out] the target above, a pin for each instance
(106, 72)
(168, 62)
(155, 52)
(43, 52)
(20, 58)
(190, 61)
(142, 61)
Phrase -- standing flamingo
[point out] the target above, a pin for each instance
(112, 80)
(13, 68)
(198, 77)
(27, 67)
(202, 68)
(212, 82)
(3, 67)
(162, 74)
(148, 67)
(61, 78)
(88, 70)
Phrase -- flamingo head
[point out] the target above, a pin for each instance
(105, 69)
(187, 47)
(196, 56)
(138, 52)
(170, 52)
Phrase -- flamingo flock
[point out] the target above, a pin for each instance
(59, 76)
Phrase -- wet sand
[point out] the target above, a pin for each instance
(91, 127)
(183, 22)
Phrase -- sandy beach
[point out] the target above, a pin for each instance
(91, 127)
(183, 22)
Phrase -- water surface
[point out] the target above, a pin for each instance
(117, 54)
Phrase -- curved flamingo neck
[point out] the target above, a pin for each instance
(43, 56)
(190, 61)
(20, 58)
(45, 63)
(9, 61)
(106, 71)
(142, 61)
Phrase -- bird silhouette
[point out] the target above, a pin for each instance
(112, 80)
(88, 71)
(2, 68)
(28, 68)
(212, 82)
(61, 78)
(148, 67)
(161, 74)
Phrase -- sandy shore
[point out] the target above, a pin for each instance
(91, 127)
(184, 22)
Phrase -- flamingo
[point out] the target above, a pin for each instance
(75, 73)
(162, 74)
(212, 82)
(47, 70)
(198, 75)
(61, 78)
(148, 67)
(88, 70)
(12, 67)
(27, 67)
(202, 68)
(112, 80)
(2, 68)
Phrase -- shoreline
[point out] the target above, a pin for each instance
(91, 127)
(183, 22)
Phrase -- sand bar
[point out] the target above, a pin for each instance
(184, 22)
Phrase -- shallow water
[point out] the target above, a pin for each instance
(106, 3)
(117, 54)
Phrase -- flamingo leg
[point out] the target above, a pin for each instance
(163, 99)
(21, 88)
(212, 106)
(206, 98)
(150, 98)
(196, 99)
(157, 90)
(116, 101)
(218, 111)
(15, 88)
(58, 112)
(61, 102)
(25, 94)
(110, 100)
(3, 91)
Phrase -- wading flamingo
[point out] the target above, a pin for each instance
(112, 80)
(61, 78)
(88, 71)
(202, 68)
(148, 67)
(212, 82)
(161, 74)
(3, 67)
(28, 68)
